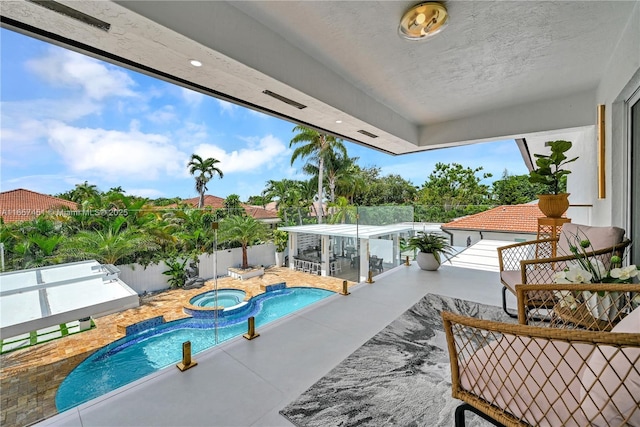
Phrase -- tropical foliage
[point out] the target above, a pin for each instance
(430, 243)
(113, 227)
(244, 230)
(318, 148)
(451, 191)
(549, 169)
(176, 272)
(280, 240)
(516, 189)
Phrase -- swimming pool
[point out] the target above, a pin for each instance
(135, 356)
(225, 298)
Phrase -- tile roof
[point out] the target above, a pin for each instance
(24, 205)
(507, 218)
(258, 212)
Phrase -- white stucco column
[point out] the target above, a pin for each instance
(364, 259)
(325, 255)
(396, 250)
(293, 249)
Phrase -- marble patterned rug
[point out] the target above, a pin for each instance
(400, 377)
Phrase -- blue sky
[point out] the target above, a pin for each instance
(68, 118)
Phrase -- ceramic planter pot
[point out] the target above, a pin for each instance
(602, 307)
(553, 205)
(427, 261)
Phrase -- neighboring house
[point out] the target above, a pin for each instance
(267, 216)
(24, 205)
(515, 223)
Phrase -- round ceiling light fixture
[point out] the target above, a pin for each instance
(423, 20)
(195, 63)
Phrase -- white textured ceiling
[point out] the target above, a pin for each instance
(491, 55)
(495, 66)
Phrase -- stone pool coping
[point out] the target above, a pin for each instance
(29, 378)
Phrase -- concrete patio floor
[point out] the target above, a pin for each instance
(246, 383)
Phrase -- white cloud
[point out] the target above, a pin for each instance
(163, 115)
(43, 183)
(96, 79)
(291, 172)
(258, 114)
(227, 107)
(191, 134)
(150, 193)
(262, 154)
(191, 97)
(113, 155)
(24, 120)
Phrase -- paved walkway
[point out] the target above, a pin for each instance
(245, 383)
(30, 377)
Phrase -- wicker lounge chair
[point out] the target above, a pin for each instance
(551, 375)
(537, 261)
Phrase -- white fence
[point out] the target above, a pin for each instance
(151, 279)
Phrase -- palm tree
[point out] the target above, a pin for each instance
(304, 192)
(317, 147)
(343, 212)
(338, 169)
(84, 192)
(245, 230)
(280, 191)
(196, 235)
(206, 170)
(110, 245)
(353, 181)
(233, 205)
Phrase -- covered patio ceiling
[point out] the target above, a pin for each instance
(501, 69)
(349, 230)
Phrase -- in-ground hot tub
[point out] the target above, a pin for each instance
(221, 298)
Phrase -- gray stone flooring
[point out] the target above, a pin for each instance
(246, 383)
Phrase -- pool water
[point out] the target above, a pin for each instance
(226, 298)
(135, 356)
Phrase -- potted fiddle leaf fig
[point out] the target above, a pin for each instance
(550, 172)
(280, 240)
(431, 247)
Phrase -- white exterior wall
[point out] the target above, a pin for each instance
(582, 183)
(151, 279)
(621, 78)
(460, 236)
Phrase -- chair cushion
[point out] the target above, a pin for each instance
(511, 278)
(600, 237)
(631, 323)
(605, 369)
(519, 375)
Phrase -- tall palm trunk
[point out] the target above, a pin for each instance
(332, 189)
(245, 259)
(201, 200)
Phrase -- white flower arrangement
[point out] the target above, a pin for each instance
(588, 269)
(576, 274)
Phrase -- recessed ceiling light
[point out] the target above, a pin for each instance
(338, 121)
(195, 63)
